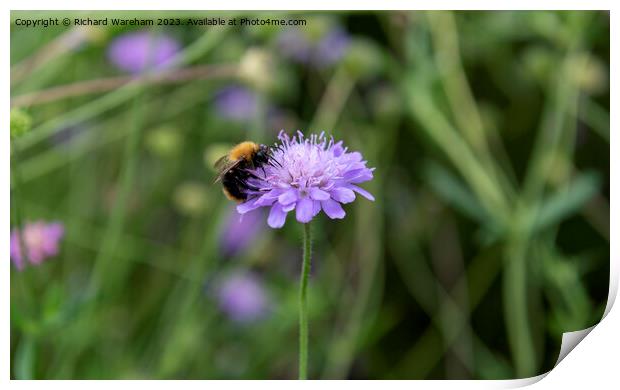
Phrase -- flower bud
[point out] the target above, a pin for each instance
(587, 73)
(191, 198)
(164, 142)
(256, 68)
(20, 123)
(94, 34)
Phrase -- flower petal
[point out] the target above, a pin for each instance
(316, 208)
(304, 210)
(354, 156)
(361, 175)
(288, 197)
(357, 175)
(333, 209)
(367, 176)
(337, 149)
(16, 255)
(268, 198)
(343, 195)
(353, 173)
(247, 206)
(318, 194)
(53, 229)
(277, 216)
(362, 192)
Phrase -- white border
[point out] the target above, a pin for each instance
(311, 5)
(593, 362)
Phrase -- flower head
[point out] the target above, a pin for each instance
(236, 103)
(242, 297)
(319, 53)
(307, 175)
(40, 240)
(142, 51)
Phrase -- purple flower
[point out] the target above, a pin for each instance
(329, 49)
(242, 297)
(236, 103)
(307, 175)
(240, 232)
(142, 51)
(295, 45)
(40, 240)
(332, 47)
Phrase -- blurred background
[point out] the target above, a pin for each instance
(488, 239)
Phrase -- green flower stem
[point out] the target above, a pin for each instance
(303, 304)
(460, 97)
(516, 310)
(332, 102)
(17, 202)
(104, 278)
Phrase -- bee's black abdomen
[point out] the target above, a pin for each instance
(234, 186)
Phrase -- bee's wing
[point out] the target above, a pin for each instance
(223, 166)
(221, 163)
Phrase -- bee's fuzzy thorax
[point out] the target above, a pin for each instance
(243, 150)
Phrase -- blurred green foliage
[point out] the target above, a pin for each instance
(488, 239)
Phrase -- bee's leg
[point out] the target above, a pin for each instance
(251, 174)
(244, 184)
(273, 161)
(270, 158)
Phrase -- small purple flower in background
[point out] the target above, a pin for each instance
(40, 239)
(332, 47)
(295, 45)
(326, 51)
(236, 103)
(242, 297)
(307, 175)
(141, 51)
(240, 232)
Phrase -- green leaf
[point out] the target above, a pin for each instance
(52, 305)
(24, 359)
(490, 365)
(454, 192)
(566, 201)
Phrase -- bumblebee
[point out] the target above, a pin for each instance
(234, 168)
